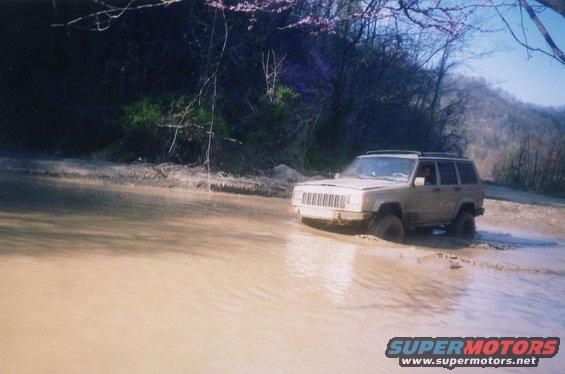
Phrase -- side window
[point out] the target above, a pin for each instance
(447, 173)
(427, 170)
(467, 173)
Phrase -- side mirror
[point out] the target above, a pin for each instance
(337, 175)
(419, 181)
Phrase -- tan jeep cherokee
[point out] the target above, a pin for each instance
(391, 191)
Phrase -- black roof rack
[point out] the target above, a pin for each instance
(422, 154)
(440, 154)
(393, 151)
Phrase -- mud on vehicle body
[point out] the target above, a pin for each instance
(394, 191)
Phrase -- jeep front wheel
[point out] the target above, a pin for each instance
(463, 226)
(388, 227)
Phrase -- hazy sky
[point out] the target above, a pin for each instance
(539, 79)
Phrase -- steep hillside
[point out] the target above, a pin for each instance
(496, 122)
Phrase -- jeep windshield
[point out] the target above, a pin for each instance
(395, 169)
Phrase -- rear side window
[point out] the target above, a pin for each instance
(447, 173)
(467, 173)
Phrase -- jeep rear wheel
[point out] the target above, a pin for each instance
(388, 227)
(463, 226)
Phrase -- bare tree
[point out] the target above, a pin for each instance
(536, 163)
(272, 70)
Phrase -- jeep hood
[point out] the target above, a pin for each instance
(354, 183)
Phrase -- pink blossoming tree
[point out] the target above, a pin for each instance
(451, 17)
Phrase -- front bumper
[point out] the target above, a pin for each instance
(334, 216)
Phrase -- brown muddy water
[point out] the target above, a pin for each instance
(125, 279)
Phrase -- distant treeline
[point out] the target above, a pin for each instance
(536, 164)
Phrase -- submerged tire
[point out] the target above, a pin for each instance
(463, 226)
(388, 227)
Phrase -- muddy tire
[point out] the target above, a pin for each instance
(388, 227)
(463, 226)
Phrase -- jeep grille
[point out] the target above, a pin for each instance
(324, 199)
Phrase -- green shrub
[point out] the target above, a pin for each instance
(286, 96)
(141, 119)
(150, 130)
(271, 123)
(196, 116)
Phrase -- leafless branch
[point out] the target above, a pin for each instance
(272, 69)
(557, 53)
(102, 19)
(214, 94)
(556, 5)
(521, 42)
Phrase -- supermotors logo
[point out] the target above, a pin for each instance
(471, 352)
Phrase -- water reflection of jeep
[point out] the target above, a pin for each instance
(395, 191)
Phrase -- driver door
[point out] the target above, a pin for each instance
(423, 206)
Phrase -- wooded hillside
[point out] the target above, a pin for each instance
(193, 84)
(514, 143)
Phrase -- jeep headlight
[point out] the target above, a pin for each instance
(296, 195)
(355, 199)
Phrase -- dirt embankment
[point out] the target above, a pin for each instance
(278, 183)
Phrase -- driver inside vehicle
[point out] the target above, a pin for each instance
(427, 171)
